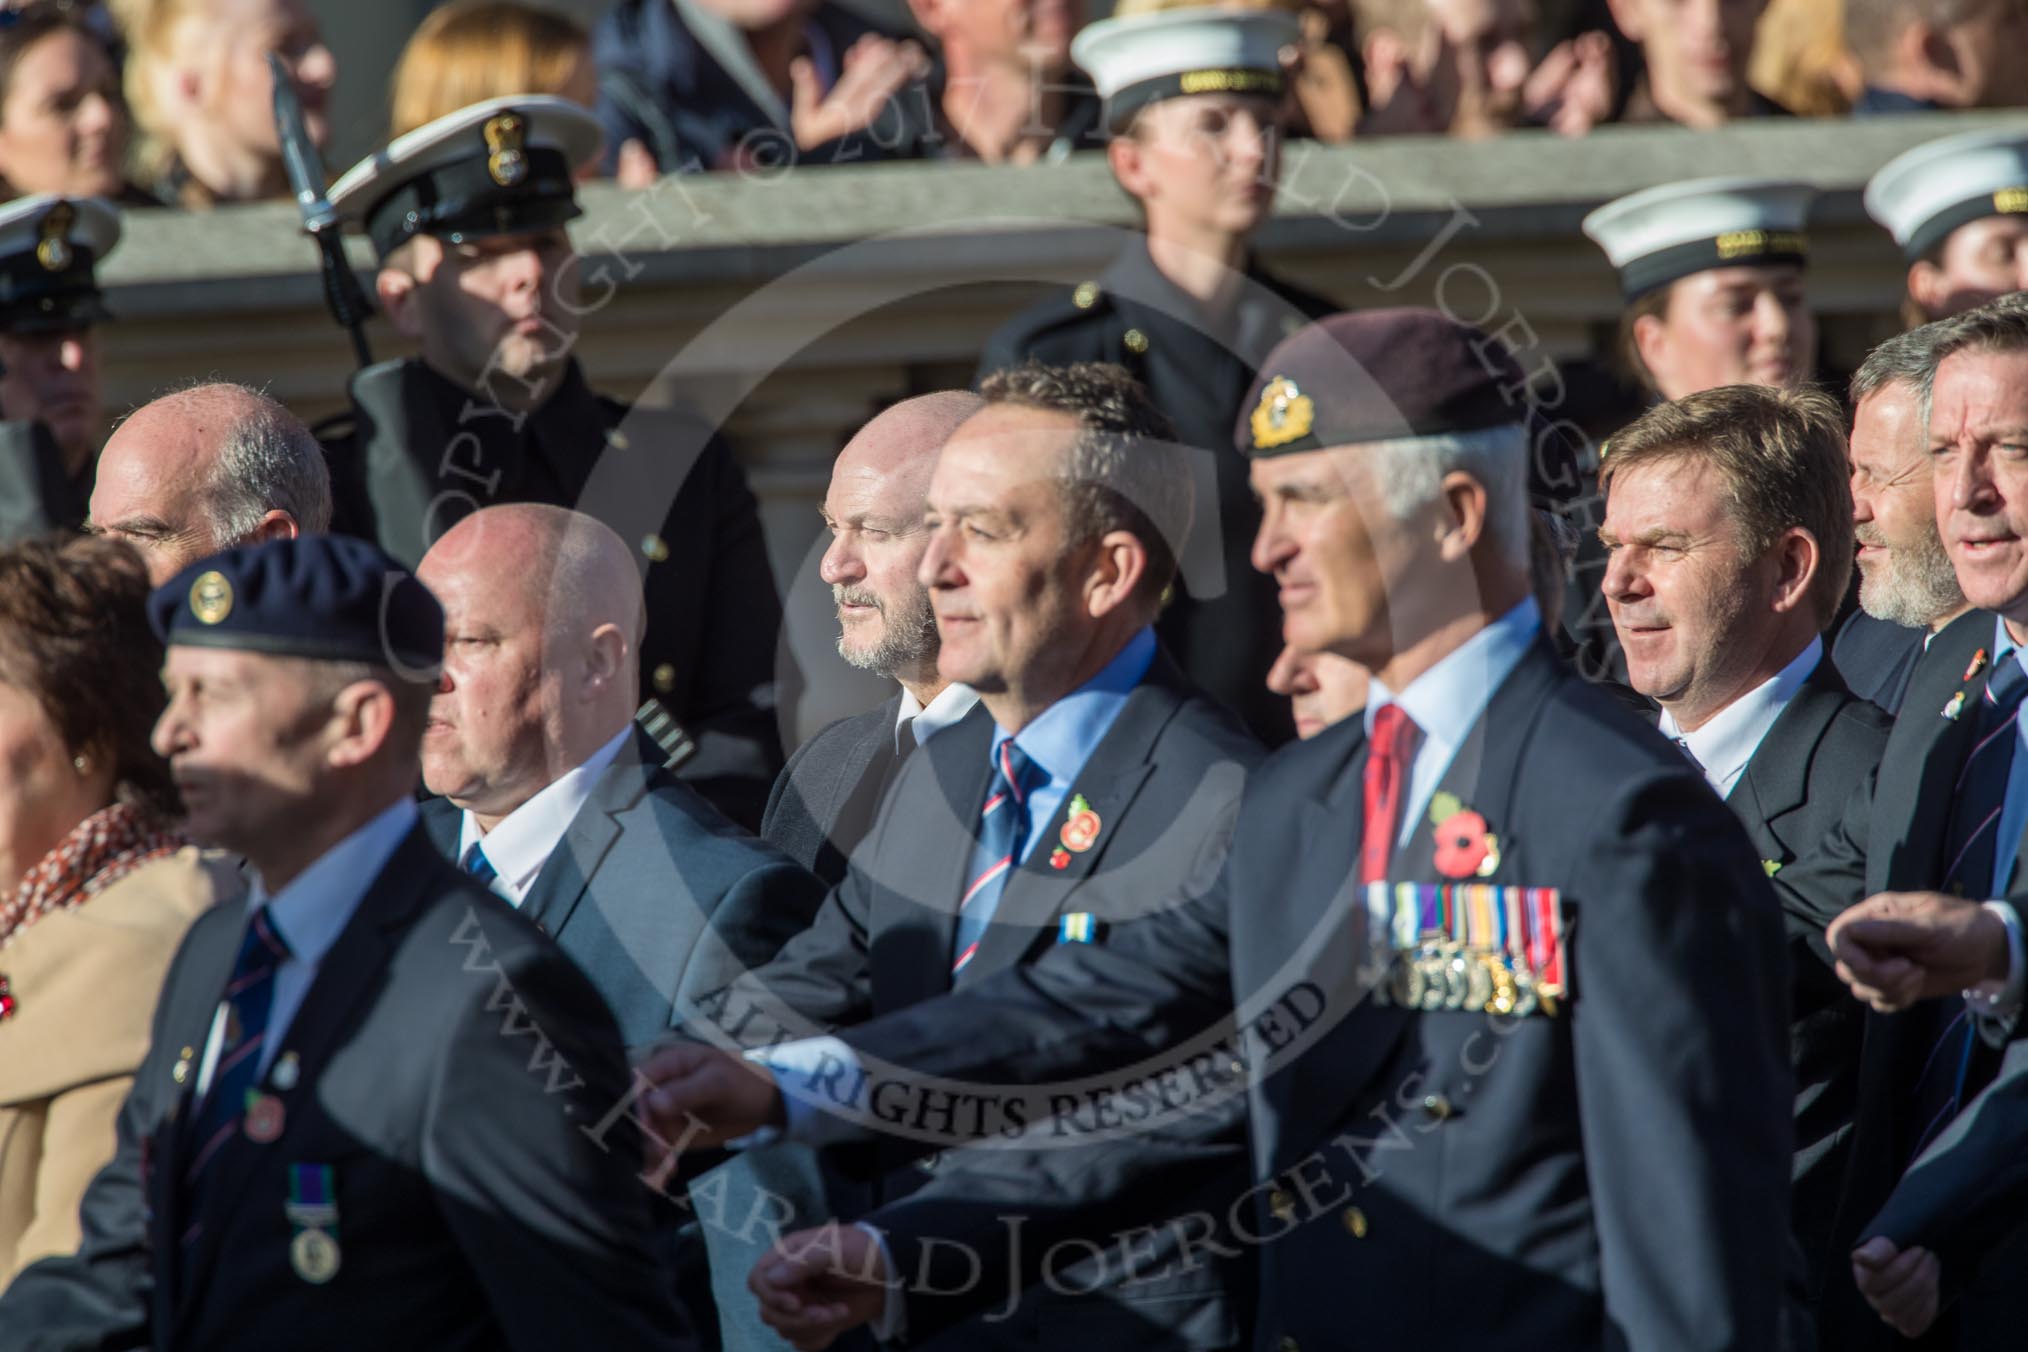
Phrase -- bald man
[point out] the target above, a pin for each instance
(552, 796)
(201, 470)
(824, 802)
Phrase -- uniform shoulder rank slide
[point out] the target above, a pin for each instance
(312, 1210)
(1079, 927)
(1473, 947)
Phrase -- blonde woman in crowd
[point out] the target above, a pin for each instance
(203, 99)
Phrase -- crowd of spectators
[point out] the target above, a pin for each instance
(169, 101)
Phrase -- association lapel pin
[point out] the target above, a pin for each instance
(287, 1071)
(1955, 707)
(1978, 664)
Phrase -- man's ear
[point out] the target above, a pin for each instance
(396, 290)
(606, 658)
(362, 716)
(1463, 522)
(1119, 564)
(1798, 557)
(276, 525)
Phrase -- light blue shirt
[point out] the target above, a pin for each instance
(1062, 737)
(1447, 700)
(310, 913)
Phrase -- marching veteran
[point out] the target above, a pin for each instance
(363, 1104)
(1518, 1061)
(100, 889)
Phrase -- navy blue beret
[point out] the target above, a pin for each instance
(327, 597)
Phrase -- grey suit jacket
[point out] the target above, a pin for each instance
(655, 894)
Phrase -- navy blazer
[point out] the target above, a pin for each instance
(473, 1208)
(1791, 796)
(1876, 658)
(654, 894)
(825, 799)
(1611, 1176)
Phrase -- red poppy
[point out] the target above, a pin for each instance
(1462, 845)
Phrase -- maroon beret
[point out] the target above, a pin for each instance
(1376, 375)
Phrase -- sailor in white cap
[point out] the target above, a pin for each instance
(1194, 100)
(1958, 208)
(468, 215)
(50, 395)
(1712, 272)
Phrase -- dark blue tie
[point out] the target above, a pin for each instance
(1979, 800)
(249, 996)
(478, 865)
(996, 847)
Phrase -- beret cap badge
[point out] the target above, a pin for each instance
(1285, 414)
(506, 162)
(53, 250)
(211, 598)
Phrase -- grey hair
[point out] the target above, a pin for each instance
(1908, 359)
(1410, 473)
(1997, 326)
(267, 461)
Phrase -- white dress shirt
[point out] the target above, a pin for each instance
(1446, 701)
(1728, 739)
(521, 842)
(309, 915)
(920, 722)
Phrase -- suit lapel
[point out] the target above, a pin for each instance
(566, 875)
(1777, 776)
(350, 975)
(198, 994)
(1919, 770)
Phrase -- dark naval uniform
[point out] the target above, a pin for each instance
(406, 469)
(49, 246)
(422, 451)
(1226, 630)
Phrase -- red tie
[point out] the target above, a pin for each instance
(1387, 766)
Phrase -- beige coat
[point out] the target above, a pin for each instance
(85, 983)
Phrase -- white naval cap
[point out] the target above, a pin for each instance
(1923, 194)
(495, 168)
(1209, 50)
(49, 246)
(1659, 235)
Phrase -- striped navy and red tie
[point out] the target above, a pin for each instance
(1978, 798)
(249, 996)
(996, 849)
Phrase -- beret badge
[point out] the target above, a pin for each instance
(211, 598)
(1285, 414)
(53, 250)
(506, 162)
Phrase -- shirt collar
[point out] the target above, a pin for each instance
(1728, 739)
(313, 910)
(922, 722)
(1446, 700)
(1063, 736)
(521, 842)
